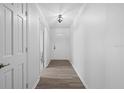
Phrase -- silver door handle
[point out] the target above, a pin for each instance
(2, 65)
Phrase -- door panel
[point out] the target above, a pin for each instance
(61, 47)
(8, 79)
(19, 76)
(8, 32)
(60, 44)
(5, 81)
(12, 46)
(1, 32)
(20, 34)
(2, 82)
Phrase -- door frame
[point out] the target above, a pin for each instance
(27, 44)
(41, 29)
(43, 47)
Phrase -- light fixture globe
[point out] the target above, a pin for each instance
(60, 18)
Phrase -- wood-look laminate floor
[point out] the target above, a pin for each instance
(59, 75)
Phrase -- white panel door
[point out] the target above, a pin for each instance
(2, 81)
(7, 77)
(60, 49)
(60, 45)
(13, 45)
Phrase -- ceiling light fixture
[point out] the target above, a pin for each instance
(60, 18)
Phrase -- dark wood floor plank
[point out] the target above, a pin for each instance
(59, 75)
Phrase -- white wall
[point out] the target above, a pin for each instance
(33, 45)
(33, 66)
(114, 49)
(98, 46)
(47, 47)
(47, 40)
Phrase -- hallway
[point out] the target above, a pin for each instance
(59, 75)
(34, 37)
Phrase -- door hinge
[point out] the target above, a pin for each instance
(26, 13)
(26, 85)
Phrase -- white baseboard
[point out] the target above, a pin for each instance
(37, 81)
(47, 63)
(81, 78)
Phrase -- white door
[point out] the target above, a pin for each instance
(60, 49)
(60, 44)
(13, 45)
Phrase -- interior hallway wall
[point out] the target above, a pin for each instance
(98, 45)
(47, 46)
(33, 70)
(45, 29)
(33, 46)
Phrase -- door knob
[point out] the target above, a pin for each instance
(2, 65)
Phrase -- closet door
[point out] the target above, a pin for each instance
(13, 46)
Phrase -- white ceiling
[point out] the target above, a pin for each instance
(68, 11)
